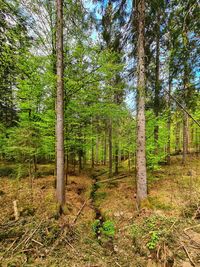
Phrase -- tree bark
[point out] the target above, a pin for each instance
(157, 84)
(141, 175)
(97, 149)
(185, 137)
(60, 109)
(177, 137)
(92, 144)
(169, 123)
(110, 146)
(105, 148)
(116, 158)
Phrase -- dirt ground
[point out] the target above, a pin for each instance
(166, 232)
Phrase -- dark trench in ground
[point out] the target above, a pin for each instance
(106, 243)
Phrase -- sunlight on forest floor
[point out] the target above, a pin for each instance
(165, 231)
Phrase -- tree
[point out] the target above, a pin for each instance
(13, 44)
(60, 155)
(141, 175)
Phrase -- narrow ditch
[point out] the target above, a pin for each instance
(98, 214)
(105, 241)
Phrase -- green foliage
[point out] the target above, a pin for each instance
(152, 231)
(106, 229)
(154, 239)
(153, 159)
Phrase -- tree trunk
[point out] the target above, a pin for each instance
(116, 158)
(169, 124)
(66, 167)
(60, 109)
(129, 162)
(97, 149)
(92, 148)
(105, 149)
(177, 138)
(110, 146)
(141, 175)
(157, 85)
(186, 79)
(80, 160)
(185, 136)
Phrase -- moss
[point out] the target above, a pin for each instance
(156, 203)
(145, 203)
(99, 196)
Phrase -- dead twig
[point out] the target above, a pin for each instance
(192, 227)
(79, 212)
(8, 249)
(37, 242)
(188, 255)
(25, 240)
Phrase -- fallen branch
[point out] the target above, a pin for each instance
(32, 234)
(79, 212)
(188, 255)
(25, 240)
(192, 227)
(112, 179)
(70, 245)
(99, 174)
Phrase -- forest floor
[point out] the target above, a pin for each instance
(101, 225)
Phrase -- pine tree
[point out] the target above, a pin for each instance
(60, 154)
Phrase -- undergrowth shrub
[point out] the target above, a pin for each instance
(151, 232)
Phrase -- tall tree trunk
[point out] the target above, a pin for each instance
(66, 167)
(79, 160)
(169, 123)
(97, 149)
(177, 138)
(186, 80)
(60, 109)
(185, 136)
(116, 158)
(92, 155)
(141, 175)
(110, 146)
(105, 148)
(129, 162)
(157, 84)
(92, 144)
(185, 116)
(197, 141)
